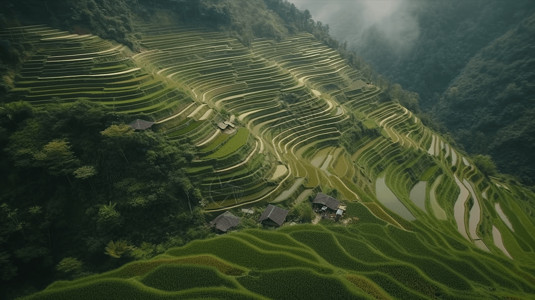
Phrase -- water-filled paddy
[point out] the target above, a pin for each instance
(389, 199)
(503, 216)
(417, 194)
(459, 207)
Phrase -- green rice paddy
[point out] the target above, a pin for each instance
(363, 260)
(280, 97)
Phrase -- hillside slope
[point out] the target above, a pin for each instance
(365, 260)
(420, 45)
(431, 47)
(489, 107)
(302, 121)
(239, 123)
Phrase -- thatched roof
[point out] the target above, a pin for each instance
(139, 124)
(225, 221)
(275, 214)
(328, 201)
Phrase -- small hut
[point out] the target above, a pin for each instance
(222, 125)
(225, 221)
(273, 215)
(229, 124)
(324, 203)
(141, 125)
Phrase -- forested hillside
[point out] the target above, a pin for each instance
(490, 106)
(422, 45)
(129, 128)
(431, 46)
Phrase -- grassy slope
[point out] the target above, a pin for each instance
(367, 259)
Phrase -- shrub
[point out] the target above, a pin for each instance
(117, 249)
(485, 164)
(302, 212)
(69, 266)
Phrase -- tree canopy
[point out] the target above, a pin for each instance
(79, 179)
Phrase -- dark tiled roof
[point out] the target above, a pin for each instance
(139, 124)
(225, 221)
(328, 201)
(275, 214)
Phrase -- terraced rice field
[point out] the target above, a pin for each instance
(287, 105)
(71, 67)
(367, 260)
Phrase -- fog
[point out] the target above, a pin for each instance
(392, 23)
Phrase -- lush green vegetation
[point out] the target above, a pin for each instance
(470, 62)
(489, 107)
(409, 264)
(233, 144)
(86, 193)
(183, 277)
(74, 184)
(435, 39)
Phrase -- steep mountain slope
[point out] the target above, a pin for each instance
(274, 121)
(490, 105)
(421, 45)
(428, 47)
(293, 104)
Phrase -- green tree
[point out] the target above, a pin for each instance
(108, 215)
(118, 131)
(485, 164)
(57, 157)
(303, 212)
(117, 249)
(85, 172)
(70, 266)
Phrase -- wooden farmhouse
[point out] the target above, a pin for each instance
(273, 216)
(323, 202)
(225, 222)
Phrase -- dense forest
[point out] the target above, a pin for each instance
(74, 187)
(489, 107)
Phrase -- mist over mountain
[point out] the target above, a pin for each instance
(422, 45)
(432, 48)
(393, 22)
(490, 105)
